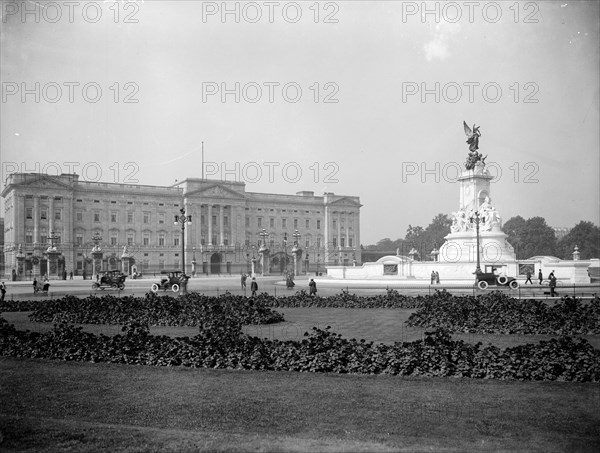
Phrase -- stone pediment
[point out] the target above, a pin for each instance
(41, 181)
(215, 191)
(344, 202)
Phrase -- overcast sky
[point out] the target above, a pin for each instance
(330, 98)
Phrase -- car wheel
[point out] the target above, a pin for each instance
(121, 286)
(482, 285)
(502, 280)
(95, 286)
(114, 286)
(514, 284)
(154, 287)
(175, 287)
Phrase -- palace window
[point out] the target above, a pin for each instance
(247, 222)
(28, 213)
(97, 216)
(176, 239)
(259, 222)
(272, 222)
(29, 237)
(146, 239)
(44, 214)
(161, 217)
(79, 239)
(295, 223)
(334, 241)
(78, 216)
(57, 214)
(161, 239)
(130, 238)
(113, 239)
(318, 224)
(129, 217)
(113, 216)
(343, 242)
(307, 224)
(146, 217)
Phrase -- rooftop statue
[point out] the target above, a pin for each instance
(473, 140)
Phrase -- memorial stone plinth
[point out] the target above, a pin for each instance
(96, 261)
(20, 263)
(461, 243)
(126, 261)
(264, 253)
(53, 254)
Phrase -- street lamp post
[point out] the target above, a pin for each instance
(477, 220)
(182, 220)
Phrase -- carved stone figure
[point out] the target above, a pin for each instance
(473, 140)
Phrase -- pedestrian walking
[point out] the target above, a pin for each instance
(432, 277)
(253, 286)
(71, 275)
(540, 276)
(2, 291)
(552, 279)
(528, 277)
(244, 277)
(34, 285)
(437, 278)
(312, 285)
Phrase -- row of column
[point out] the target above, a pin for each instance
(346, 230)
(194, 232)
(66, 218)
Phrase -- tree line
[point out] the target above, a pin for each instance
(531, 237)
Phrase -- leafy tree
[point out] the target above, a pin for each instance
(586, 236)
(531, 237)
(515, 230)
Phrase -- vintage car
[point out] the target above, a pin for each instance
(110, 279)
(485, 279)
(170, 280)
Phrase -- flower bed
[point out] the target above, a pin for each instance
(498, 313)
(189, 310)
(221, 344)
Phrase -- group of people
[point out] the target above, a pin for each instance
(289, 281)
(551, 280)
(253, 284)
(435, 277)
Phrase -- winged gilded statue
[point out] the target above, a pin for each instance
(473, 141)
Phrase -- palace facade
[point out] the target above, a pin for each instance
(228, 226)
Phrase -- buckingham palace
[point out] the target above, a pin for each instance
(229, 228)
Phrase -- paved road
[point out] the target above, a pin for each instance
(274, 285)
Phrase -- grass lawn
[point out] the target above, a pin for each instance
(378, 325)
(49, 406)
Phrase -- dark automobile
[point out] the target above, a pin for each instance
(483, 280)
(110, 279)
(170, 280)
